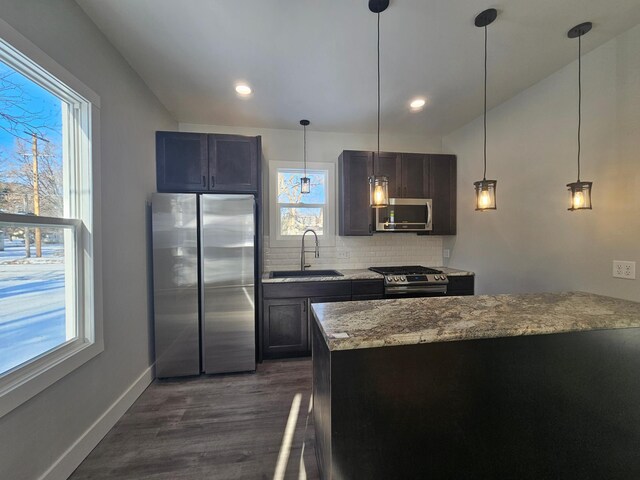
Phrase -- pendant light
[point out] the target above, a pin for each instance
(378, 184)
(305, 182)
(579, 192)
(485, 189)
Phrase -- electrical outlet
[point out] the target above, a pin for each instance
(624, 269)
(446, 253)
(343, 254)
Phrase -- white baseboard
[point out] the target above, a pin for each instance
(76, 453)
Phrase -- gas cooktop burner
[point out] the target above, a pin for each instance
(405, 270)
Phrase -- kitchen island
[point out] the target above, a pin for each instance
(506, 386)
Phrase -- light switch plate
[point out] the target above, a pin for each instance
(446, 253)
(624, 269)
(343, 254)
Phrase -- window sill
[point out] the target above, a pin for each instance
(31, 379)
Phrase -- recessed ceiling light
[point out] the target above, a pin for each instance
(243, 89)
(417, 104)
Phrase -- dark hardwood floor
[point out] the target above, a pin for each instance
(215, 427)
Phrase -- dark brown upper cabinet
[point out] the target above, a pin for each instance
(233, 163)
(415, 175)
(443, 191)
(390, 165)
(355, 215)
(181, 162)
(411, 175)
(407, 172)
(194, 162)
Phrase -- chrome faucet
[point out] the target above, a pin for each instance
(302, 251)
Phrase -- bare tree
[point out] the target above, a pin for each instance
(16, 118)
(18, 176)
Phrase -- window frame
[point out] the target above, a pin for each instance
(328, 238)
(81, 168)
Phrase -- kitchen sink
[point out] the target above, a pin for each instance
(306, 273)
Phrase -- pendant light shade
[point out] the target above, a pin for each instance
(379, 191)
(579, 192)
(305, 182)
(580, 195)
(485, 194)
(378, 184)
(485, 189)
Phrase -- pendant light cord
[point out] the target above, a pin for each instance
(304, 127)
(484, 176)
(378, 84)
(579, 98)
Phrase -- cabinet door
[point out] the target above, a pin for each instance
(389, 164)
(181, 162)
(233, 163)
(355, 216)
(442, 189)
(285, 328)
(415, 175)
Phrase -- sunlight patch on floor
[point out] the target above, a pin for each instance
(285, 447)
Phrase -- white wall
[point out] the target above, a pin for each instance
(532, 243)
(35, 435)
(286, 145)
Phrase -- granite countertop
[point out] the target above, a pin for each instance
(410, 321)
(353, 274)
(347, 274)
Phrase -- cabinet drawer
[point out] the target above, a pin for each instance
(367, 287)
(306, 289)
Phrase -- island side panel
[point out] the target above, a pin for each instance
(548, 406)
(321, 400)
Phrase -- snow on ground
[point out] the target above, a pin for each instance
(32, 310)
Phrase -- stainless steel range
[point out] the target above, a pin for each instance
(412, 281)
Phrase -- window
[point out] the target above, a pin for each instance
(48, 321)
(292, 212)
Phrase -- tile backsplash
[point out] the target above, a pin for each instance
(360, 252)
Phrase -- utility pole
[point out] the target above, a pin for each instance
(36, 192)
(36, 196)
(27, 232)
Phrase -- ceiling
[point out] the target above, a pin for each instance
(317, 59)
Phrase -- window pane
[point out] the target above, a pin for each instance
(294, 221)
(34, 313)
(31, 174)
(289, 187)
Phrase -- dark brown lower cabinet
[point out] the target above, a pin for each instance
(285, 328)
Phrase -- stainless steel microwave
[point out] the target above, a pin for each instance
(405, 215)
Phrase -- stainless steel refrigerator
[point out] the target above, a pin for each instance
(204, 283)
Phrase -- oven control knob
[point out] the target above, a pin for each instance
(403, 279)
